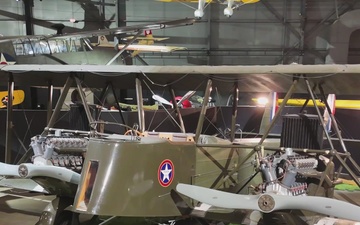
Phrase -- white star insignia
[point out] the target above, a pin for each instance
(166, 173)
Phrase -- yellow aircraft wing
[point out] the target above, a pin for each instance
(340, 104)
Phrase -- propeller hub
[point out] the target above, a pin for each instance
(23, 171)
(266, 203)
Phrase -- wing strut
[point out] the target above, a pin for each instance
(117, 103)
(281, 107)
(176, 107)
(50, 100)
(338, 134)
(53, 117)
(124, 48)
(58, 106)
(257, 149)
(9, 117)
(234, 110)
(203, 110)
(86, 106)
(139, 98)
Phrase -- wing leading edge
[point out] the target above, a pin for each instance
(337, 79)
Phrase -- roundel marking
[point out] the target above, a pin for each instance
(166, 172)
(5, 100)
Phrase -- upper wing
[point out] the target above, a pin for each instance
(337, 79)
(111, 31)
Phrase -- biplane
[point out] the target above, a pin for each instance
(135, 172)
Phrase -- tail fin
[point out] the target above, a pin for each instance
(102, 40)
(327, 119)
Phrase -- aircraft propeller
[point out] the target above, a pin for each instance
(166, 102)
(270, 202)
(161, 100)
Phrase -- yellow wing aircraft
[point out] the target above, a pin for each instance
(228, 11)
(145, 44)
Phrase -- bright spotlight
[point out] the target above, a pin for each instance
(262, 101)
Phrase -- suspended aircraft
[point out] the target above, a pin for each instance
(228, 11)
(55, 43)
(145, 44)
(135, 175)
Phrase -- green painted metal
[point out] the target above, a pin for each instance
(126, 179)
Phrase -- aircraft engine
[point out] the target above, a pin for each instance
(282, 173)
(63, 150)
(228, 12)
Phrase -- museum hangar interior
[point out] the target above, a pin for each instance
(265, 32)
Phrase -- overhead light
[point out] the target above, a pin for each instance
(262, 101)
